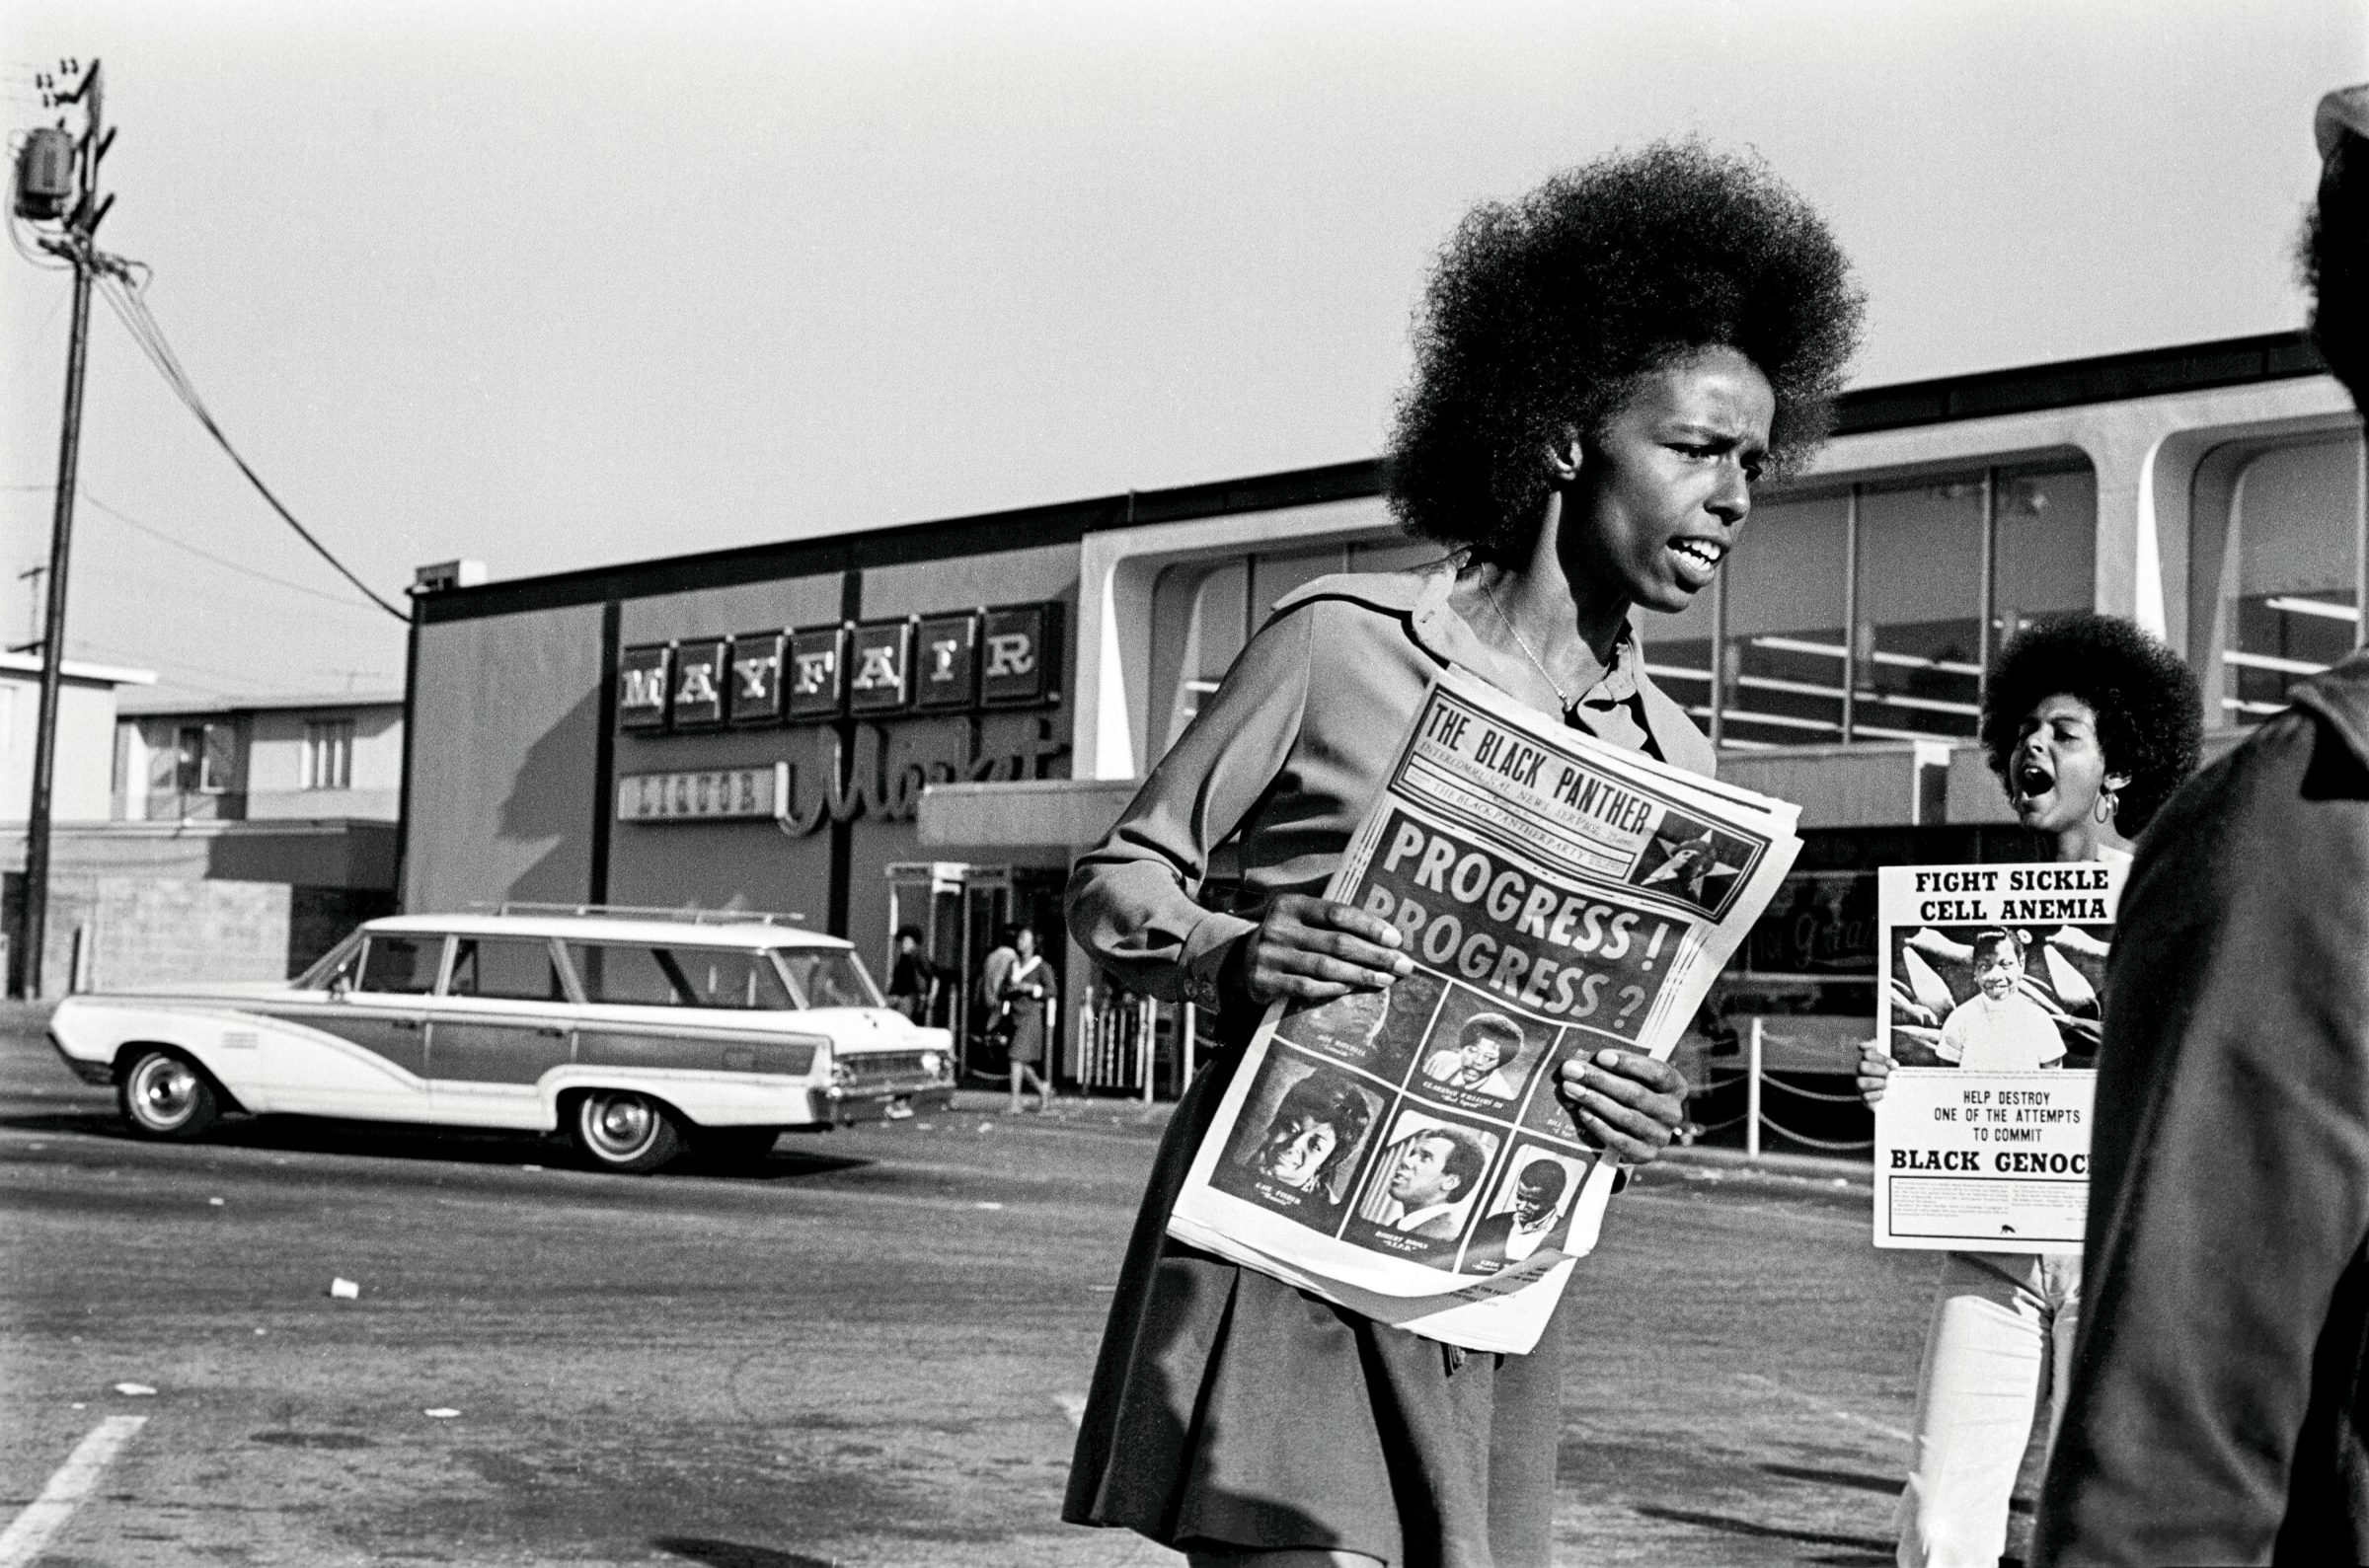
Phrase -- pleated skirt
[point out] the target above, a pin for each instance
(1230, 1411)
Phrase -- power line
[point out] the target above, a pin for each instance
(157, 533)
(133, 310)
(247, 680)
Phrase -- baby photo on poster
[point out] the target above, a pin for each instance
(1996, 996)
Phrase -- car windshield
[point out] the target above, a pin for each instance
(401, 963)
(340, 962)
(830, 977)
(639, 975)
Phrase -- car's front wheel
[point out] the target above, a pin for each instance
(164, 1095)
(620, 1131)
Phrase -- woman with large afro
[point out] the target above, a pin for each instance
(2089, 724)
(1604, 369)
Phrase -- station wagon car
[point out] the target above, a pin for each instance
(638, 1034)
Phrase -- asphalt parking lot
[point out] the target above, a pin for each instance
(866, 1351)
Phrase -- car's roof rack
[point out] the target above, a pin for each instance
(682, 912)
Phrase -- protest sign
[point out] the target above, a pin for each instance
(1403, 1152)
(1989, 978)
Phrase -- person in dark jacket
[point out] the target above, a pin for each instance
(913, 979)
(2219, 1411)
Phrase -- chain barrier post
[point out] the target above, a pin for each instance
(1752, 1099)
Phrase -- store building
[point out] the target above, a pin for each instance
(923, 724)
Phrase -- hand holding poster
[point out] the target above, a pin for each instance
(1988, 978)
(1403, 1152)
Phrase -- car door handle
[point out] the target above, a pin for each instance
(409, 1023)
(557, 1035)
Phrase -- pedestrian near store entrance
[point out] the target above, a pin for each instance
(1029, 1000)
(992, 969)
(1604, 369)
(913, 981)
(2220, 1404)
(2088, 724)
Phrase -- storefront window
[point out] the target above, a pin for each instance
(1204, 610)
(2045, 557)
(1781, 675)
(1920, 611)
(1199, 611)
(1903, 566)
(2296, 518)
(1847, 613)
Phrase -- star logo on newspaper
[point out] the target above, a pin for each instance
(1686, 858)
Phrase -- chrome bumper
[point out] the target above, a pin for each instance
(844, 1105)
(100, 1074)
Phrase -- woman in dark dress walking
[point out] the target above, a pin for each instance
(1604, 369)
(1030, 997)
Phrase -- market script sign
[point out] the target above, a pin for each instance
(846, 683)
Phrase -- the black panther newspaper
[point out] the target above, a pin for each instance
(1403, 1152)
(1988, 982)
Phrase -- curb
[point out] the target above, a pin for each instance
(1824, 1169)
(1133, 1116)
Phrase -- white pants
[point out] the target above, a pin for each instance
(2002, 1336)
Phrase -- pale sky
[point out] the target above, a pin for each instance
(558, 285)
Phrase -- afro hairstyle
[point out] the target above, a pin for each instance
(1541, 316)
(2150, 714)
(2335, 264)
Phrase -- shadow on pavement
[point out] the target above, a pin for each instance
(732, 1554)
(1887, 1485)
(394, 1140)
(1743, 1526)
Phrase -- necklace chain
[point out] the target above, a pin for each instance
(1569, 702)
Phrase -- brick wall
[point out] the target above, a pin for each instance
(156, 930)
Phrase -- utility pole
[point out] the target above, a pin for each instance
(56, 181)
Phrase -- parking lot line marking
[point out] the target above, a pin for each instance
(30, 1532)
(1813, 1401)
(1073, 1405)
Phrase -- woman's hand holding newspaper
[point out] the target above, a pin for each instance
(1625, 1101)
(1311, 949)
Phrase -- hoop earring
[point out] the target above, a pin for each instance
(2106, 808)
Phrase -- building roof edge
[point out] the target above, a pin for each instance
(1988, 394)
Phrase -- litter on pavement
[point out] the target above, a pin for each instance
(133, 1389)
(344, 1290)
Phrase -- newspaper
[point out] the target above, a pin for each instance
(1403, 1152)
(1987, 985)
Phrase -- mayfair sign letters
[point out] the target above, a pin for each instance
(963, 662)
